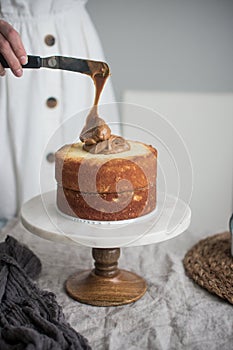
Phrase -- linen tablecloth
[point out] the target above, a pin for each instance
(174, 313)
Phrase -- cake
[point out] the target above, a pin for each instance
(106, 186)
(105, 177)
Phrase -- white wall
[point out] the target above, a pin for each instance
(167, 45)
(205, 123)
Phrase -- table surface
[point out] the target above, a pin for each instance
(175, 313)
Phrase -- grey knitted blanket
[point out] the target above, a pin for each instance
(29, 317)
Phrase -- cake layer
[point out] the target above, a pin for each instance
(82, 171)
(106, 206)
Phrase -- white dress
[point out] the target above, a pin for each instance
(34, 106)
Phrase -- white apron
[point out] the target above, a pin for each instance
(34, 106)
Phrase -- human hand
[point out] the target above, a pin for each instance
(11, 47)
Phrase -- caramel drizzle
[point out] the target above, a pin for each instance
(96, 134)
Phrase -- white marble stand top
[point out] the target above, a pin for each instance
(40, 216)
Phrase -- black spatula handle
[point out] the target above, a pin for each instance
(33, 62)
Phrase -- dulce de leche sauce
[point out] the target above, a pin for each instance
(96, 134)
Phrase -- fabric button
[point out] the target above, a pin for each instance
(50, 157)
(51, 102)
(49, 40)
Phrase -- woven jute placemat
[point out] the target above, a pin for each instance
(210, 264)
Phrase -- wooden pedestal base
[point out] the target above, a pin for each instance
(106, 285)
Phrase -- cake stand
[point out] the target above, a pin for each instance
(106, 285)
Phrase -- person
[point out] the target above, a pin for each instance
(34, 103)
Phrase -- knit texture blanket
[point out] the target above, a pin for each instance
(30, 318)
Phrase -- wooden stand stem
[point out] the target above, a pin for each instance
(106, 261)
(106, 285)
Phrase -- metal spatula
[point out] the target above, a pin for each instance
(65, 63)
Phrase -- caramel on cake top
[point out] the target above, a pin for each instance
(96, 134)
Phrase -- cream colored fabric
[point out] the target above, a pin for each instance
(26, 123)
(174, 314)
